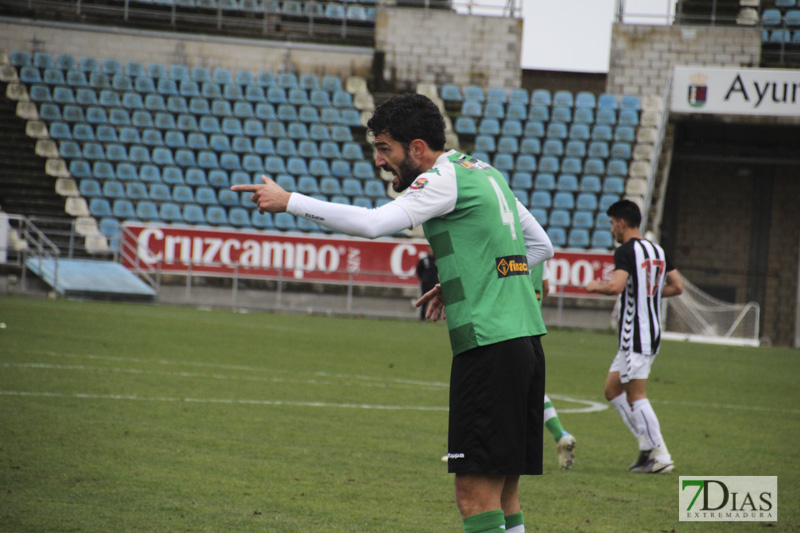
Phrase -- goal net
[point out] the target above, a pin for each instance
(698, 316)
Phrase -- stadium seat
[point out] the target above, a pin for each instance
(296, 166)
(591, 183)
(558, 236)
(539, 112)
(526, 163)
(465, 126)
(530, 145)
(471, 108)
(557, 130)
(563, 200)
(549, 164)
(508, 145)
(544, 182)
(103, 170)
(553, 147)
(560, 218)
(374, 189)
(534, 129)
(512, 128)
(606, 200)
(518, 96)
(561, 114)
(522, 180)
(99, 207)
(159, 192)
(503, 162)
(578, 238)
(586, 201)
(583, 219)
(193, 214)
(123, 209)
(253, 162)
(494, 110)
(541, 199)
(614, 185)
(567, 182)
(625, 133)
(113, 189)
(601, 238)
(541, 97)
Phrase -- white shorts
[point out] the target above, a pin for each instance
(632, 365)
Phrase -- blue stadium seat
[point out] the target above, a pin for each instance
(549, 164)
(591, 183)
(494, 110)
(230, 161)
(284, 221)
(142, 119)
(150, 173)
(614, 185)
(352, 187)
(264, 146)
(116, 152)
(585, 99)
(275, 164)
(571, 165)
(567, 182)
(196, 177)
(99, 207)
(496, 94)
(363, 170)
(530, 145)
(557, 130)
(374, 189)
(296, 166)
(563, 98)
(146, 210)
(560, 218)
(451, 92)
(207, 159)
(561, 114)
(601, 238)
(470, 108)
(602, 132)
(465, 126)
(485, 143)
(526, 163)
(114, 189)
(534, 129)
(575, 148)
(540, 215)
(170, 212)
(583, 219)
(608, 101)
(616, 167)
(598, 149)
(205, 196)
(578, 238)
(563, 200)
(160, 192)
(123, 209)
(553, 147)
(522, 180)
(625, 133)
(253, 162)
(90, 188)
(512, 128)
(508, 145)
(193, 214)
(79, 168)
(242, 145)
(579, 132)
(544, 181)
(628, 117)
(261, 220)
(541, 97)
(541, 199)
(606, 200)
(318, 167)
(136, 190)
(518, 96)
(228, 198)
(103, 170)
(70, 150)
(503, 162)
(558, 236)
(539, 112)
(586, 201)
(593, 165)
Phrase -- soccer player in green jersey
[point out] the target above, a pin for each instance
(484, 242)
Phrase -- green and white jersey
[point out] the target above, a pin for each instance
(471, 220)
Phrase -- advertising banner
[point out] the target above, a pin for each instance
(736, 91)
(313, 258)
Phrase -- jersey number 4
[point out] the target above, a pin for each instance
(506, 214)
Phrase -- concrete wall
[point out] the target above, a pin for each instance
(642, 56)
(191, 50)
(443, 47)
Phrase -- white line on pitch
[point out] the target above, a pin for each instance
(84, 396)
(374, 382)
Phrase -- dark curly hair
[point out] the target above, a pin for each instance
(627, 211)
(408, 117)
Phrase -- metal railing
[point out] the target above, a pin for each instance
(26, 241)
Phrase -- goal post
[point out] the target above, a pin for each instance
(696, 316)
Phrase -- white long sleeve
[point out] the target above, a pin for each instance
(349, 219)
(538, 247)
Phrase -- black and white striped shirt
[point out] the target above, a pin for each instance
(640, 302)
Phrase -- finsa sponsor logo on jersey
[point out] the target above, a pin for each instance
(512, 265)
(473, 163)
(419, 184)
(455, 456)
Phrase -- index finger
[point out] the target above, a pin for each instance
(246, 188)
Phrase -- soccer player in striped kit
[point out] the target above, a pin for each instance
(643, 274)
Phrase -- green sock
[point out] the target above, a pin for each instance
(488, 522)
(552, 423)
(515, 523)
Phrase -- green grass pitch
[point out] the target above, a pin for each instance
(136, 418)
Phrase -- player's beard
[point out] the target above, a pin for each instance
(407, 172)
